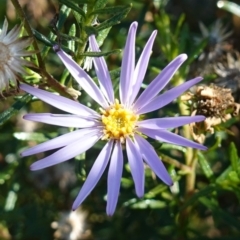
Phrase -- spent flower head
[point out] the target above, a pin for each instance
(216, 38)
(118, 122)
(217, 34)
(12, 49)
(214, 102)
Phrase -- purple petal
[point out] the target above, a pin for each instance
(83, 79)
(141, 68)
(169, 122)
(152, 159)
(71, 150)
(167, 97)
(114, 178)
(57, 142)
(128, 64)
(94, 175)
(62, 120)
(159, 82)
(102, 71)
(169, 137)
(136, 166)
(59, 102)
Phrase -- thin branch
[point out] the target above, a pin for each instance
(29, 31)
(175, 163)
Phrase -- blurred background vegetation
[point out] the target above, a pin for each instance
(204, 202)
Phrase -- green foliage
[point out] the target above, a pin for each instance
(119, 14)
(206, 168)
(172, 44)
(100, 54)
(73, 6)
(204, 201)
(14, 109)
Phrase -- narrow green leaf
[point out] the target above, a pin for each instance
(181, 44)
(89, 2)
(48, 42)
(14, 109)
(10, 201)
(168, 146)
(204, 192)
(63, 14)
(102, 36)
(33, 136)
(228, 177)
(179, 25)
(43, 39)
(173, 173)
(233, 155)
(73, 6)
(109, 10)
(155, 191)
(64, 76)
(66, 37)
(100, 54)
(224, 176)
(148, 203)
(204, 165)
(69, 38)
(114, 19)
(100, 4)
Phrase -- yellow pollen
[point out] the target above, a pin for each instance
(118, 121)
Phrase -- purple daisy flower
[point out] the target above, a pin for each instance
(117, 122)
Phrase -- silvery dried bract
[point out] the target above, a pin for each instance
(12, 49)
(228, 72)
(216, 38)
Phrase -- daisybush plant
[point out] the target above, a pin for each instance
(101, 89)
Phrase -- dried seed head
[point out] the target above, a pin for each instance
(214, 102)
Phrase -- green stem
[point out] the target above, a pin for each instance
(190, 161)
(191, 176)
(84, 38)
(189, 154)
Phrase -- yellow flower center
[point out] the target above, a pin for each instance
(118, 121)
